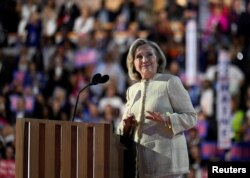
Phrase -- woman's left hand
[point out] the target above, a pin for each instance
(155, 116)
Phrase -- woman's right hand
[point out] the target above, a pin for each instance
(129, 125)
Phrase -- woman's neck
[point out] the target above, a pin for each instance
(148, 77)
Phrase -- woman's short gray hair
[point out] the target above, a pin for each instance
(133, 74)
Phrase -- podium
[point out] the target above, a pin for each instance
(65, 149)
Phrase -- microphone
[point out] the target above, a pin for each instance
(104, 79)
(96, 79)
(99, 79)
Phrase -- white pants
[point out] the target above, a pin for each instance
(152, 165)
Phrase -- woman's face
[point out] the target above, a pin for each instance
(145, 61)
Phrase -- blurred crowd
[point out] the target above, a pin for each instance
(51, 49)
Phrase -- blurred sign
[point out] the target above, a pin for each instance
(85, 57)
(223, 102)
(191, 52)
(7, 168)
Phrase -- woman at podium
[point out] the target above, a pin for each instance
(158, 112)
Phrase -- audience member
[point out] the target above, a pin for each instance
(85, 22)
(48, 15)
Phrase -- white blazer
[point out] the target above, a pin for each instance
(165, 94)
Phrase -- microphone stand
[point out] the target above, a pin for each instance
(96, 79)
(73, 117)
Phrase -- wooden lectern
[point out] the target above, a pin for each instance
(64, 149)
